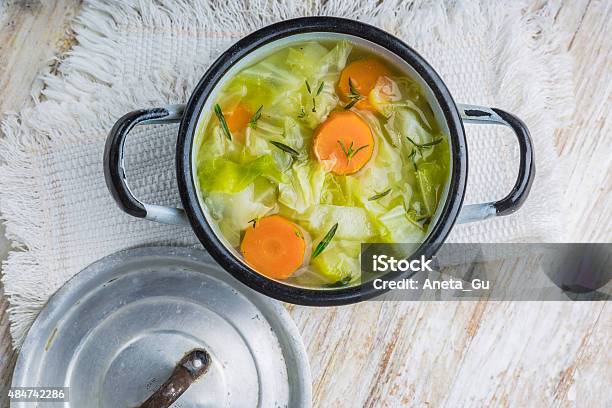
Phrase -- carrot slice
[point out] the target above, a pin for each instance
(343, 143)
(363, 74)
(274, 246)
(238, 119)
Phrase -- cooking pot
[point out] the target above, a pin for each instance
(450, 115)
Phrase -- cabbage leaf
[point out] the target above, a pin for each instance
(221, 174)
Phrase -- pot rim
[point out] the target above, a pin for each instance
(216, 72)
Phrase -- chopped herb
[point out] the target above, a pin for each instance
(340, 283)
(351, 104)
(353, 92)
(299, 234)
(344, 148)
(379, 195)
(412, 158)
(361, 148)
(353, 95)
(426, 219)
(325, 241)
(424, 145)
(317, 93)
(412, 214)
(320, 88)
(255, 117)
(302, 113)
(285, 148)
(254, 221)
(222, 121)
(350, 153)
(421, 220)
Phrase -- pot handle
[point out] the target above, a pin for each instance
(114, 170)
(517, 196)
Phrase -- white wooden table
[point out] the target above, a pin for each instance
(427, 354)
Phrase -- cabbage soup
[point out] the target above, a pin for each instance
(313, 149)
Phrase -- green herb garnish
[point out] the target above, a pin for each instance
(302, 113)
(299, 234)
(351, 104)
(412, 158)
(420, 146)
(353, 92)
(285, 148)
(425, 219)
(350, 153)
(254, 221)
(353, 95)
(317, 93)
(320, 88)
(325, 241)
(222, 121)
(255, 117)
(379, 195)
(424, 145)
(421, 220)
(340, 283)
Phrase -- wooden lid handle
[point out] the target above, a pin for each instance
(192, 366)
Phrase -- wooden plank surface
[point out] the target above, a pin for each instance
(492, 353)
(427, 354)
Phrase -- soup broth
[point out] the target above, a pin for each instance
(314, 149)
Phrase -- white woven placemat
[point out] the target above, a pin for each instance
(135, 54)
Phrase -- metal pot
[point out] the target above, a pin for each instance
(449, 114)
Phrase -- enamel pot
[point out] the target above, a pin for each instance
(450, 115)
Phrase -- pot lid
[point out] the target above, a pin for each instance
(115, 332)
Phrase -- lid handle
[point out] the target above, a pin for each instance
(193, 365)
